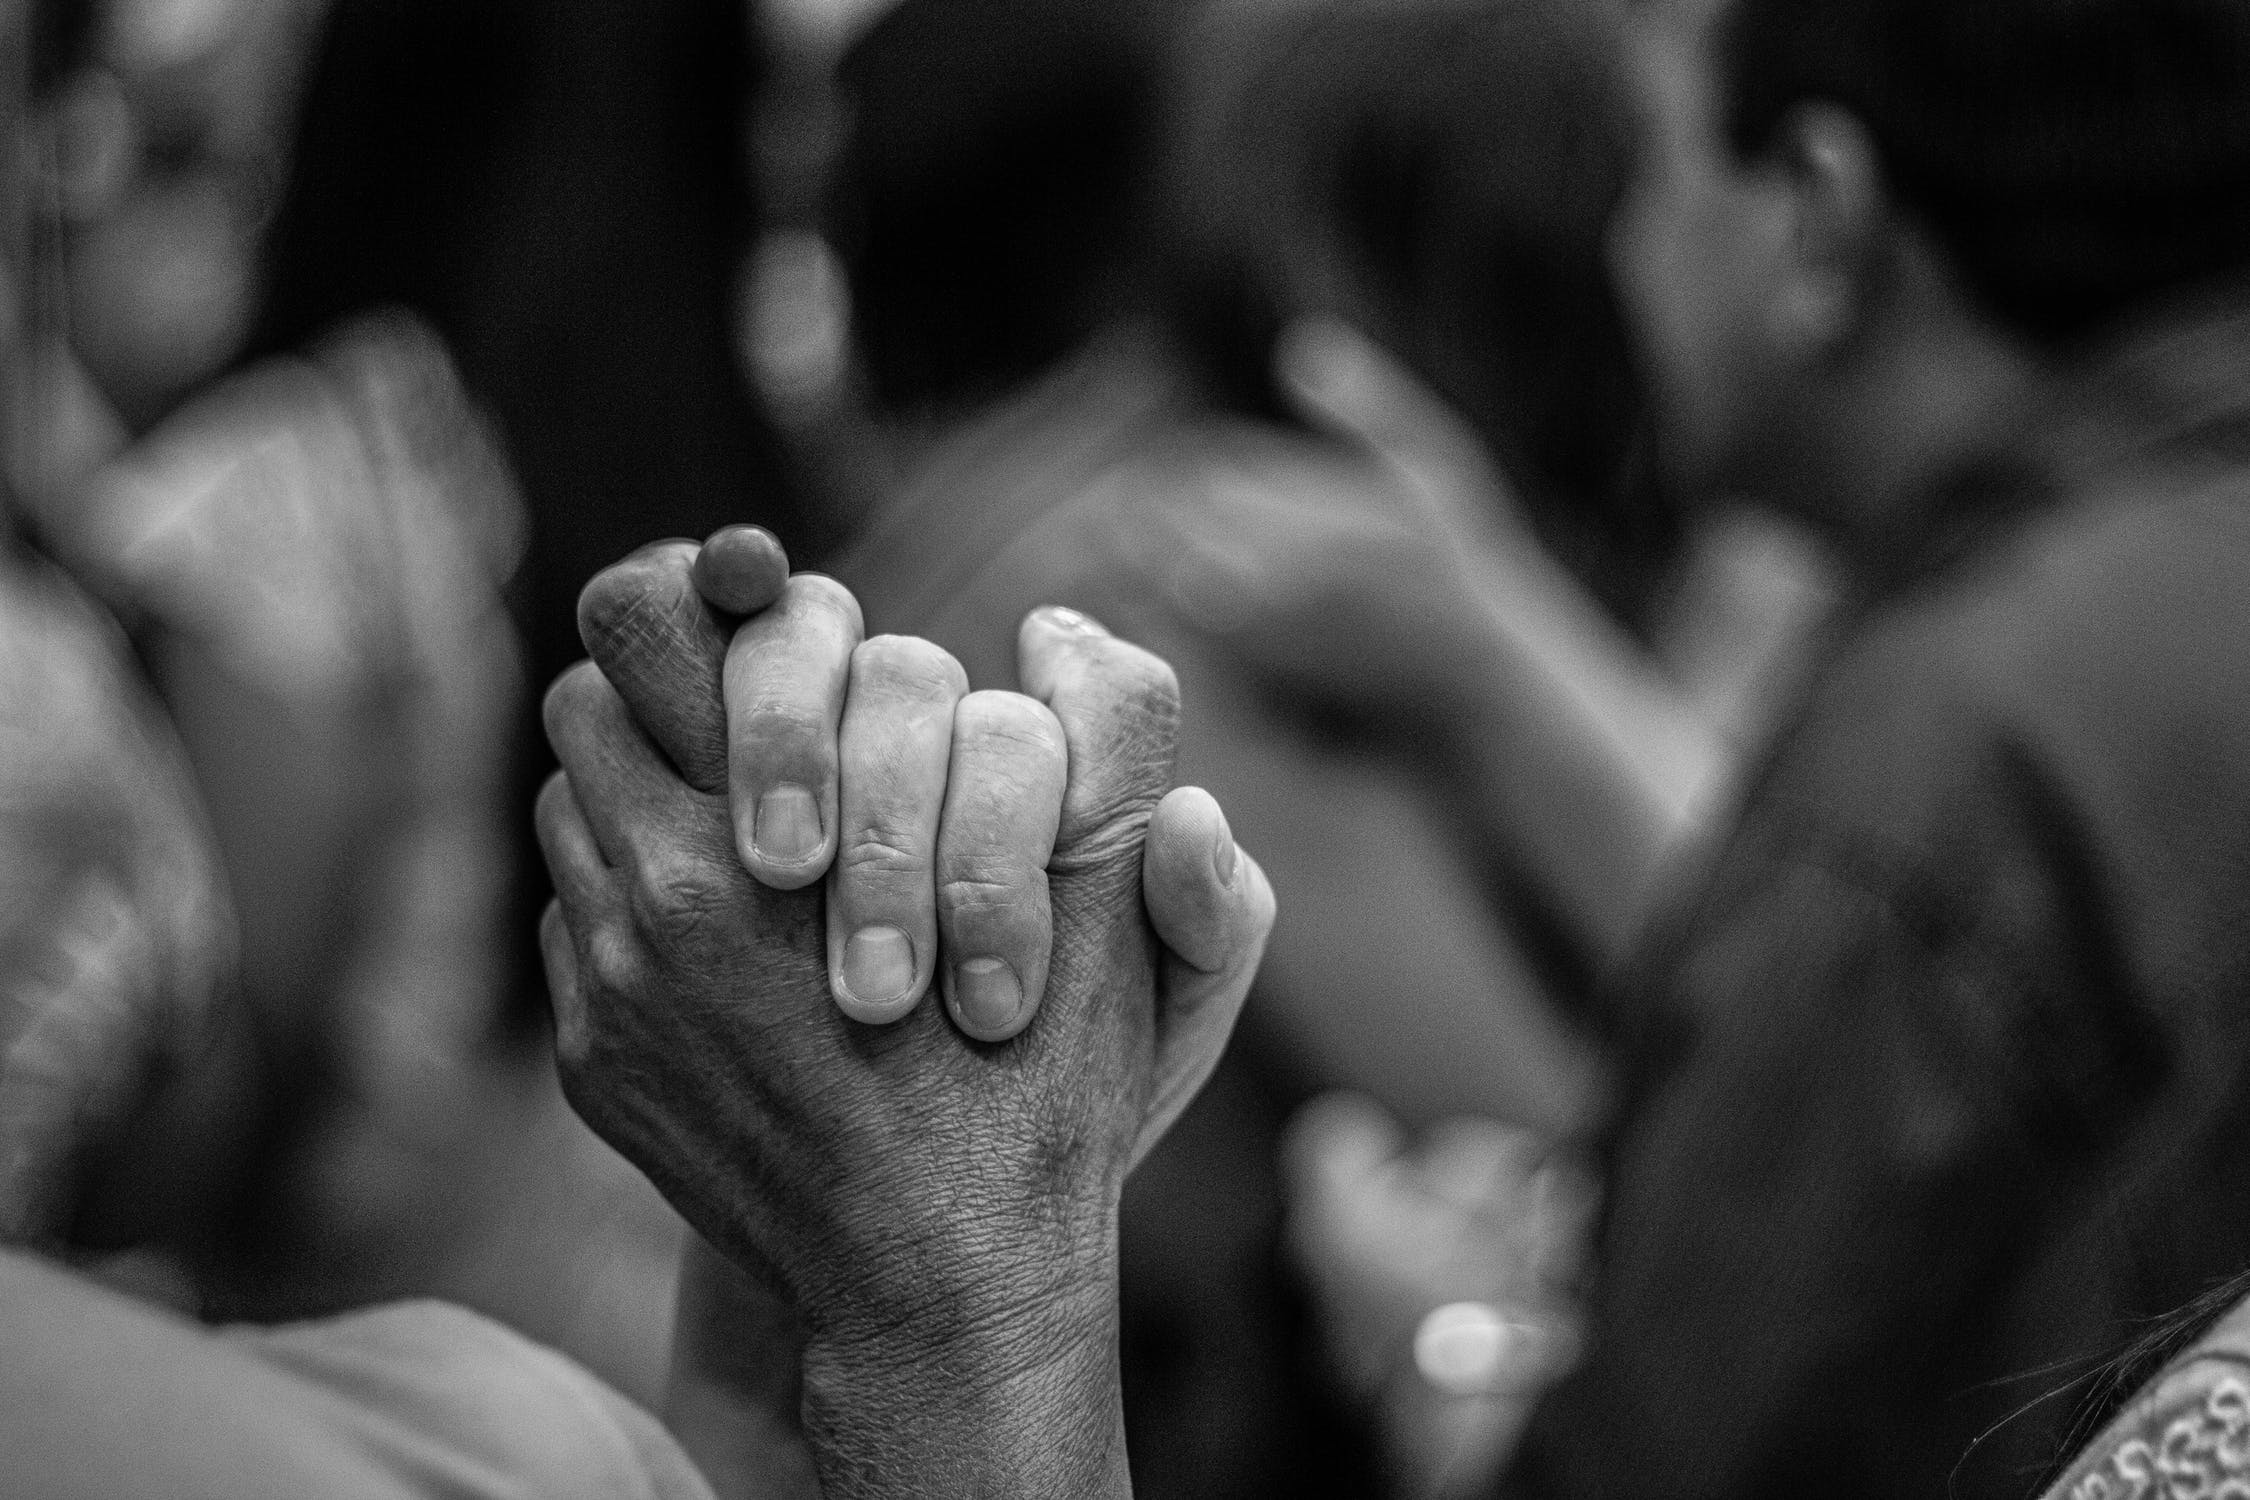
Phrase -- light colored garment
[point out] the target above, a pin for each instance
(103, 1398)
(320, 537)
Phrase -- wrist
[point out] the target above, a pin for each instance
(1014, 1394)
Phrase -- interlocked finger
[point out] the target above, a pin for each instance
(617, 777)
(894, 747)
(786, 674)
(1119, 707)
(1003, 803)
(582, 876)
(566, 988)
(662, 648)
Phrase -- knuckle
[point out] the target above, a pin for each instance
(879, 848)
(1010, 720)
(908, 666)
(680, 895)
(789, 723)
(989, 890)
(611, 970)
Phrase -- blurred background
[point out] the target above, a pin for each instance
(347, 338)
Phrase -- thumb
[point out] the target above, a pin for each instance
(1212, 909)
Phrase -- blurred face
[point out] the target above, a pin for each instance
(1700, 249)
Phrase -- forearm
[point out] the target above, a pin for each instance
(1025, 1403)
(1580, 763)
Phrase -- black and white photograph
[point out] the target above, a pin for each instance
(1087, 749)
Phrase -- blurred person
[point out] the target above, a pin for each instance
(159, 146)
(350, 715)
(1108, 402)
(1459, 224)
(1109, 407)
(969, 1352)
(419, 1400)
(1935, 1074)
(1937, 811)
(566, 194)
(563, 192)
(133, 1062)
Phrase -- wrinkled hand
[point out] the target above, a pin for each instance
(914, 1192)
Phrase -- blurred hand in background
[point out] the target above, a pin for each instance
(1445, 1273)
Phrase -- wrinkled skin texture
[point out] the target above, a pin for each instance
(960, 1133)
(940, 1212)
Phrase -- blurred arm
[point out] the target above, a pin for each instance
(1388, 970)
(1572, 751)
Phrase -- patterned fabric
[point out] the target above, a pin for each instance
(2201, 1454)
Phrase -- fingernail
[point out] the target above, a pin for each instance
(788, 827)
(1071, 620)
(878, 964)
(986, 992)
(1222, 858)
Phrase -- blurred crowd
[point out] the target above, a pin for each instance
(1730, 671)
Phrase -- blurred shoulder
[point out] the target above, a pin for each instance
(2100, 645)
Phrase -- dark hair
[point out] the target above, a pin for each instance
(2074, 157)
(1473, 184)
(1459, 161)
(984, 198)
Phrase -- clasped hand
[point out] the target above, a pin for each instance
(772, 839)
